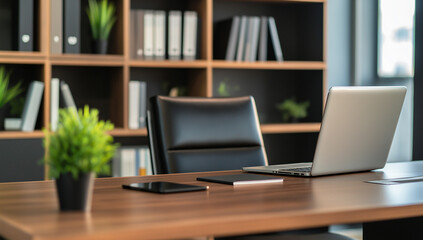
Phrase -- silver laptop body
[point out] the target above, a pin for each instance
(357, 130)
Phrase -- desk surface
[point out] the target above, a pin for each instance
(30, 210)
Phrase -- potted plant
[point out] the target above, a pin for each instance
(101, 15)
(6, 93)
(75, 152)
(293, 110)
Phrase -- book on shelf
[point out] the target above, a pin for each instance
(241, 38)
(242, 179)
(137, 104)
(143, 105)
(67, 95)
(131, 161)
(275, 40)
(246, 38)
(148, 33)
(159, 35)
(25, 24)
(262, 49)
(251, 41)
(134, 104)
(54, 103)
(32, 106)
(174, 35)
(190, 37)
(72, 28)
(56, 26)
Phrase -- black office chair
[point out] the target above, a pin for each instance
(204, 134)
(210, 134)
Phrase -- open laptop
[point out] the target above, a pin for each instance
(356, 132)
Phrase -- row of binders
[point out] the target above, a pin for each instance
(65, 28)
(33, 102)
(137, 96)
(156, 35)
(248, 38)
(132, 161)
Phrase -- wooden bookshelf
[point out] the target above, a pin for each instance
(301, 29)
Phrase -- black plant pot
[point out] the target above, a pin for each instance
(99, 46)
(75, 195)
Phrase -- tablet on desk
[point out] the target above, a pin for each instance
(163, 187)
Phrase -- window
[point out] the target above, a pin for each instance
(396, 38)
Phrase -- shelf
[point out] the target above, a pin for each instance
(271, 65)
(86, 60)
(290, 128)
(21, 135)
(16, 57)
(120, 132)
(168, 64)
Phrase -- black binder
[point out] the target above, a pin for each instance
(72, 26)
(25, 25)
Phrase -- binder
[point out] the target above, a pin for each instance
(159, 35)
(174, 35)
(139, 34)
(134, 104)
(32, 106)
(241, 38)
(56, 27)
(142, 104)
(54, 103)
(262, 50)
(25, 35)
(72, 26)
(190, 26)
(275, 40)
(148, 34)
(133, 26)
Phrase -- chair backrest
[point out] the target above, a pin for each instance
(190, 134)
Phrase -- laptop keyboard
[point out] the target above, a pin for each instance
(304, 169)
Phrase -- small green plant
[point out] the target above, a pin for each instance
(6, 93)
(225, 90)
(102, 18)
(16, 106)
(80, 144)
(293, 110)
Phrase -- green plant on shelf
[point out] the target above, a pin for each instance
(80, 144)
(16, 106)
(102, 18)
(225, 89)
(292, 110)
(7, 93)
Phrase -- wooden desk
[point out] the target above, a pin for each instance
(30, 211)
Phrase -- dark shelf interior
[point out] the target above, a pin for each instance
(97, 87)
(299, 25)
(160, 81)
(272, 87)
(24, 74)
